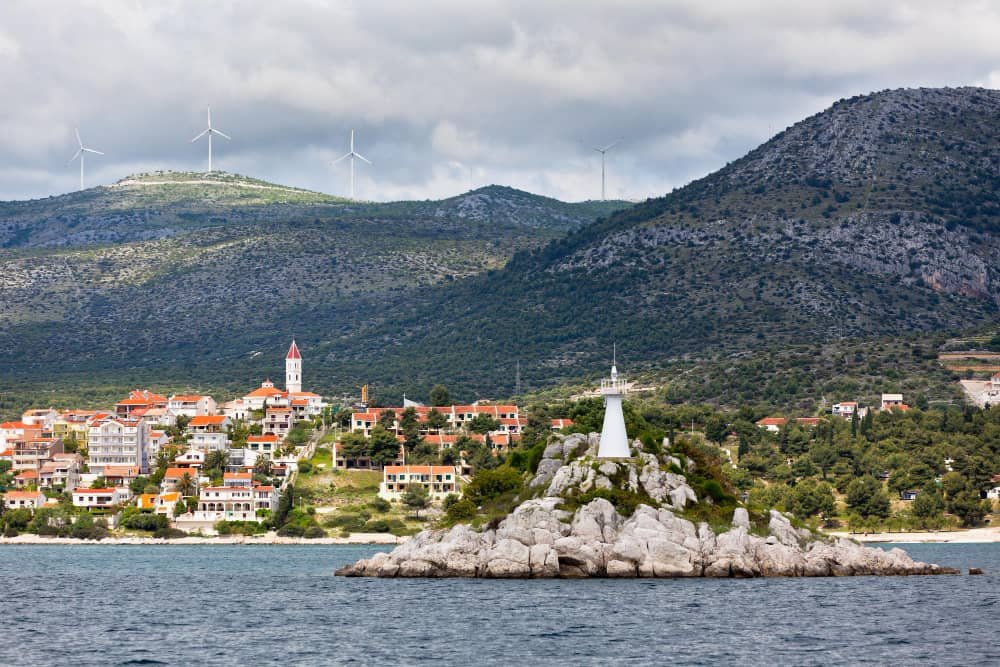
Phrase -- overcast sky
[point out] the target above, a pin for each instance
(453, 94)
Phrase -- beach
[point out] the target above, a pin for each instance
(265, 539)
(970, 536)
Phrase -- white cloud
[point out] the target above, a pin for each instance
(509, 92)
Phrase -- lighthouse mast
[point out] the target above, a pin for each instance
(614, 440)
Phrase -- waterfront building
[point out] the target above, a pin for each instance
(118, 441)
(106, 498)
(14, 500)
(440, 481)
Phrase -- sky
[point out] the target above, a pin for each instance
(450, 95)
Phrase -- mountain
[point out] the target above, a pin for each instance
(878, 217)
(179, 274)
(875, 219)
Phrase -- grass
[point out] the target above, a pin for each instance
(351, 496)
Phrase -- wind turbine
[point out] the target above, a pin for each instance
(352, 154)
(83, 150)
(602, 151)
(210, 131)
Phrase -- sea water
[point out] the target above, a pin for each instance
(258, 605)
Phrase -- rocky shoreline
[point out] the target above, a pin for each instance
(541, 539)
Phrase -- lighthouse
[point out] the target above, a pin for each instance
(614, 440)
(293, 370)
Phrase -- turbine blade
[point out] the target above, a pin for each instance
(91, 150)
(611, 145)
(362, 157)
(342, 157)
(222, 134)
(203, 133)
(75, 156)
(78, 139)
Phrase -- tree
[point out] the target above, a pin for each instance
(928, 503)
(353, 445)
(387, 420)
(824, 456)
(416, 497)
(809, 498)
(383, 447)
(436, 421)
(716, 429)
(968, 507)
(440, 396)
(483, 423)
(186, 485)
(866, 497)
(490, 484)
(216, 462)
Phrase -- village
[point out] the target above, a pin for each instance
(198, 467)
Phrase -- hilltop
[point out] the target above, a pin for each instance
(176, 273)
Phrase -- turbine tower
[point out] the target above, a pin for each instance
(602, 151)
(210, 131)
(80, 153)
(352, 154)
(614, 439)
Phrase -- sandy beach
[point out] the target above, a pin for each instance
(971, 536)
(266, 539)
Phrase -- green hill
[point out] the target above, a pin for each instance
(178, 275)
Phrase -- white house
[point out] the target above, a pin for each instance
(44, 418)
(438, 480)
(23, 499)
(191, 405)
(100, 498)
(893, 401)
(118, 441)
(236, 503)
(209, 432)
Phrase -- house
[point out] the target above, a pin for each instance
(266, 394)
(909, 494)
(157, 441)
(166, 503)
(10, 431)
(846, 409)
(277, 421)
(118, 441)
(192, 458)
(73, 425)
(560, 424)
(44, 418)
(191, 405)
(244, 479)
(120, 475)
(26, 478)
(100, 498)
(810, 422)
(456, 417)
(14, 500)
(894, 402)
(62, 472)
(139, 401)
(440, 481)
(146, 501)
(173, 475)
(268, 443)
(772, 424)
(209, 432)
(236, 503)
(31, 453)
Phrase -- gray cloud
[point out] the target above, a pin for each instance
(447, 95)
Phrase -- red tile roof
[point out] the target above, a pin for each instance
(207, 420)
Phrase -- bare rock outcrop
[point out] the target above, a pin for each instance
(542, 538)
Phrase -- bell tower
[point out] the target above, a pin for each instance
(293, 370)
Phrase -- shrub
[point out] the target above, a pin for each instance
(168, 533)
(461, 510)
(380, 505)
(305, 467)
(488, 485)
(150, 522)
(312, 532)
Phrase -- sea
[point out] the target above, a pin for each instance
(263, 605)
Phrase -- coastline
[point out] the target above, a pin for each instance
(989, 535)
(268, 539)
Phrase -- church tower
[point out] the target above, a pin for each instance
(293, 370)
(614, 440)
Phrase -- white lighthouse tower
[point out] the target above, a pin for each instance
(614, 440)
(293, 370)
